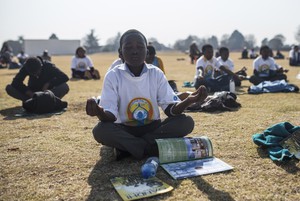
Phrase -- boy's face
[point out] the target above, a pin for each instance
(224, 55)
(134, 49)
(208, 53)
(265, 53)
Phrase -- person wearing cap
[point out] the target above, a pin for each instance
(43, 76)
(45, 56)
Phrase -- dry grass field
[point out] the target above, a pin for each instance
(54, 157)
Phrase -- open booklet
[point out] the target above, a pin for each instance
(189, 157)
(292, 143)
(135, 187)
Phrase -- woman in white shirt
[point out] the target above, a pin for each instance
(82, 66)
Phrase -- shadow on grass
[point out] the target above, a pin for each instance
(214, 112)
(212, 193)
(18, 112)
(107, 168)
(290, 166)
(262, 152)
(241, 90)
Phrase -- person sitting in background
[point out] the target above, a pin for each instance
(151, 58)
(225, 66)
(294, 56)
(129, 107)
(253, 54)
(43, 76)
(6, 55)
(45, 56)
(205, 66)
(195, 53)
(245, 53)
(82, 66)
(22, 56)
(265, 68)
(279, 55)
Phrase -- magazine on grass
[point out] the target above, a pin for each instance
(292, 143)
(135, 187)
(189, 157)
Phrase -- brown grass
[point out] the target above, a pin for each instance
(54, 157)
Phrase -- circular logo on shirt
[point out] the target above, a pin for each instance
(263, 68)
(208, 70)
(140, 112)
(81, 65)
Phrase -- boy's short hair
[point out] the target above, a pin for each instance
(206, 46)
(131, 31)
(223, 49)
(264, 47)
(33, 65)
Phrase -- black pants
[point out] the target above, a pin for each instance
(139, 141)
(256, 79)
(59, 91)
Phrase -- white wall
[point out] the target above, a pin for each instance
(54, 47)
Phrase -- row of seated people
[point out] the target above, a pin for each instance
(254, 55)
(294, 55)
(215, 73)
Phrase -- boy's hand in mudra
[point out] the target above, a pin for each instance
(92, 108)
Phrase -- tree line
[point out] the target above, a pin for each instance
(236, 41)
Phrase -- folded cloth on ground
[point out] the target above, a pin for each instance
(271, 138)
(272, 87)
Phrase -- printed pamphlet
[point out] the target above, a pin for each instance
(189, 157)
(135, 187)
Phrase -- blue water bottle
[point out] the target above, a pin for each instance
(149, 168)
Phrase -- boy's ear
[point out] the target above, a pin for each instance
(119, 51)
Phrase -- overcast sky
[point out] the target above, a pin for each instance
(165, 20)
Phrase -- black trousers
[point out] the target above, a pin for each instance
(140, 141)
(59, 91)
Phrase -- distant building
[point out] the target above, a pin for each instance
(54, 47)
